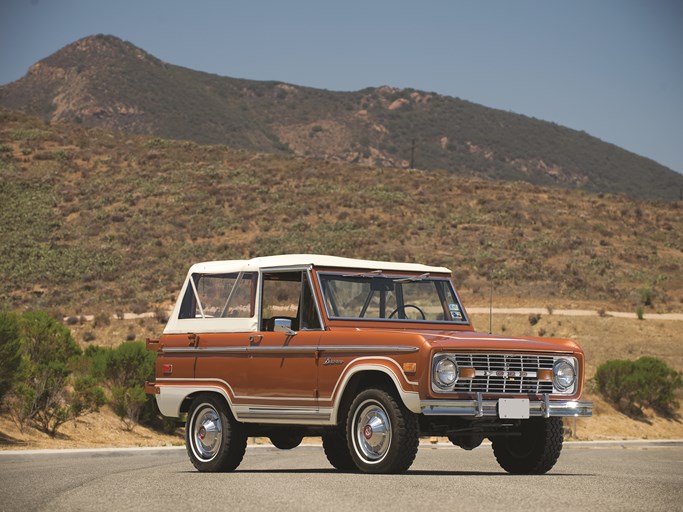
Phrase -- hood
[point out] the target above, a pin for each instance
(484, 342)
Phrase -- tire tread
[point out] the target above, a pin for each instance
(234, 440)
(406, 434)
(549, 436)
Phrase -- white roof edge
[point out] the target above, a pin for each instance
(316, 260)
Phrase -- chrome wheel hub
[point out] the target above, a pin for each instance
(207, 433)
(372, 431)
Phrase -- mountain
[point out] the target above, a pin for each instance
(106, 82)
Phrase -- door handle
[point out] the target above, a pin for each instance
(255, 339)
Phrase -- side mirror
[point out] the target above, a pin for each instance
(283, 325)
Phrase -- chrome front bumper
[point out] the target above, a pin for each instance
(479, 408)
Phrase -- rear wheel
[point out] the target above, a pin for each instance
(215, 441)
(286, 441)
(534, 452)
(382, 434)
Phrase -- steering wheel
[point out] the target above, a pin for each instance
(424, 317)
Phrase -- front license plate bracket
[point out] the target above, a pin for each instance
(513, 408)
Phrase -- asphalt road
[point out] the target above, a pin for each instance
(596, 477)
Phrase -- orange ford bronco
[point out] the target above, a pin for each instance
(368, 355)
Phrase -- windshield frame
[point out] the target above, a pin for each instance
(323, 276)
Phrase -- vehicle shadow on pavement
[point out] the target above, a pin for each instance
(418, 472)
(426, 472)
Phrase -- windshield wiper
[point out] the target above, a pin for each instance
(413, 279)
(374, 273)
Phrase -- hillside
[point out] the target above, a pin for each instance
(105, 82)
(94, 220)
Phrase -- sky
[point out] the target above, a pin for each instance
(612, 68)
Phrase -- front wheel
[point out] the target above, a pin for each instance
(382, 434)
(337, 449)
(215, 441)
(535, 451)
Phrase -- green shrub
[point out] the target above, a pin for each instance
(646, 296)
(88, 395)
(130, 364)
(94, 362)
(102, 320)
(42, 398)
(128, 367)
(534, 318)
(632, 385)
(41, 394)
(640, 313)
(10, 355)
(45, 339)
(129, 404)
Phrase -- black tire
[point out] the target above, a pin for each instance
(286, 441)
(215, 441)
(534, 452)
(382, 434)
(337, 450)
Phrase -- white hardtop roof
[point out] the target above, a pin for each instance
(304, 260)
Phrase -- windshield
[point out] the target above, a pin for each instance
(374, 296)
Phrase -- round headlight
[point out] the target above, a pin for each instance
(445, 373)
(564, 375)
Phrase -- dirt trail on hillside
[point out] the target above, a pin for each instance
(574, 312)
(480, 310)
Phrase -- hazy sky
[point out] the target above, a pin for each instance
(613, 68)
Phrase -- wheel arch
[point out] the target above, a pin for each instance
(371, 376)
(176, 400)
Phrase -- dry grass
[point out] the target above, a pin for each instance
(101, 221)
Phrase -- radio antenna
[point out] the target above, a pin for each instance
(491, 308)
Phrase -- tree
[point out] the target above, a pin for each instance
(129, 404)
(44, 339)
(128, 366)
(42, 395)
(10, 351)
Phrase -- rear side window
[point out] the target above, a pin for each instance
(220, 296)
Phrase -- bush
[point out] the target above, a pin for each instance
(129, 404)
(130, 364)
(632, 385)
(94, 362)
(88, 396)
(41, 396)
(10, 355)
(128, 367)
(101, 320)
(646, 296)
(46, 340)
(640, 313)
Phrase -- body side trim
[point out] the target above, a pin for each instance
(306, 349)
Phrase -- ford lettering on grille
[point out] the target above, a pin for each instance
(504, 373)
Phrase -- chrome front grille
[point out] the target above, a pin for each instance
(504, 373)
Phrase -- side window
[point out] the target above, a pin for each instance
(219, 296)
(308, 313)
(288, 295)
